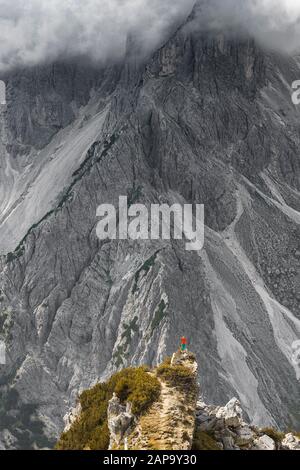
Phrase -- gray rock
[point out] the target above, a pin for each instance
(228, 443)
(72, 416)
(231, 413)
(244, 436)
(290, 442)
(9, 439)
(207, 425)
(264, 443)
(120, 419)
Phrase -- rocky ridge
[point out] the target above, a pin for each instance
(169, 423)
(177, 420)
(184, 424)
(224, 428)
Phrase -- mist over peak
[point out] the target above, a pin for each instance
(35, 31)
(274, 24)
(38, 31)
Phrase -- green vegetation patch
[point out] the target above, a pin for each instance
(145, 268)
(6, 325)
(204, 441)
(119, 355)
(134, 194)
(277, 436)
(3, 317)
(177, 376)
(89, 156)
(11, 256)
(129, 330)
(159, 315)
(90, 430)
(132, 327)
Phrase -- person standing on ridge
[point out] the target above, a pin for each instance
(183, 344)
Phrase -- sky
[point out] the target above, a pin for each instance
(33, 31)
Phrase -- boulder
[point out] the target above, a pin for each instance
(200, 406)
(207, 424)
(71, 416)
(9, 440)
(290, 442)
(231, 413)
(264, 443)
(229, 443)
(244, 436)
(119, 419)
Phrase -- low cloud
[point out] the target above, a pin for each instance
(273, 23)
(33, 31)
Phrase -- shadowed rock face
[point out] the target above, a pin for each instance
(204, 120)
(44, 99)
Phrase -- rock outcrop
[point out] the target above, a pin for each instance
(120, 420)
(290, 442)
(226, 427)
(264, 443)
(169, 423)
(72, 416)
(231, 413)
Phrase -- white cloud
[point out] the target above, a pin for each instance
(274, 23)
(32, 31)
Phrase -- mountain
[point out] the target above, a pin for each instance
(208, 119)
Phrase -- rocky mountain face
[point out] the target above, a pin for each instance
(206, 119)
